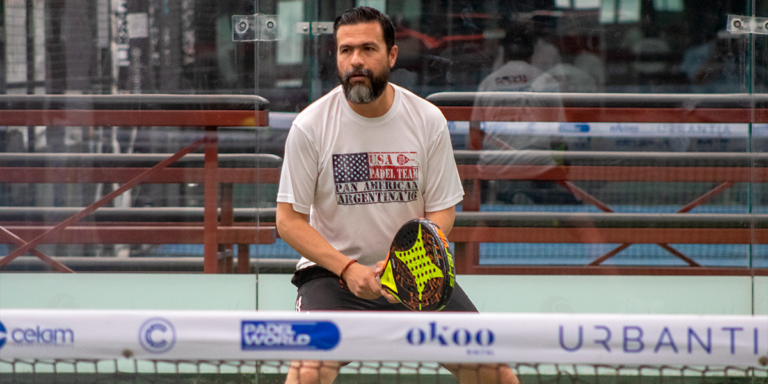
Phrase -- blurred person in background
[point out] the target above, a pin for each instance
(528, 88)
(589, 60)
(517, 74)
(545, 53)
(573, 79)
(718, 65)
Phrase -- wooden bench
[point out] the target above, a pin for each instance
(603, 107)
(208, 112)
(607, 228)
(723, 170)
(566, 167)
(147, 225)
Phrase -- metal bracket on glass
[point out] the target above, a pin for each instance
(258, 27)
(315, 27)
(747, 24)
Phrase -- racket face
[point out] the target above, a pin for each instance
(419, 270)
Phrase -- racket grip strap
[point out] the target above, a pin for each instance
(341, 275)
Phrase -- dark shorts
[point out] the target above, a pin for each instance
(320, 290)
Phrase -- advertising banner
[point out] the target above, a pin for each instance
(422, 337)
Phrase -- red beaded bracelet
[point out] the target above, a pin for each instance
(341, 275)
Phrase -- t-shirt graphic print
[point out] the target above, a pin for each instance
(375, 177)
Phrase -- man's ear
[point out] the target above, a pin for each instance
(392, 56)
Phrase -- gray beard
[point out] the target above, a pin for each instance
(360, 94)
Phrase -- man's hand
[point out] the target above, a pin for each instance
(362, 282)
(380, 268)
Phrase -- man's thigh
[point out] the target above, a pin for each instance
(326, 294)
(323, 292)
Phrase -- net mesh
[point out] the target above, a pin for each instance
(252, 371)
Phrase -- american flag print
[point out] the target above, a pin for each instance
(375, 177)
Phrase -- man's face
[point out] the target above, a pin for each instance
(363, 61)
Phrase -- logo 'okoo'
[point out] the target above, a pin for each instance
(292, 335)
(3, 334)
(447, 336)
(157, 335)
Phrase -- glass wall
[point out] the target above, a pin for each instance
(606, 137)
(125, 148)
(638, 84)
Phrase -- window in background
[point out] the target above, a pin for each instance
(578, 4)
(668, 5)
(629, 11)
(381, 5)
(619, 11)
(290, 44)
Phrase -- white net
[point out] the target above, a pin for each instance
(216, 371)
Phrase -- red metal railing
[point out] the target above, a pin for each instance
(208, 111)
(593, 108)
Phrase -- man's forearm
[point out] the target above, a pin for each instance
(295, 230)
(443, 218)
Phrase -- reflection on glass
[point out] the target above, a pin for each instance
(560, 56)
(668, 5)
(628, 11)
(290, 47)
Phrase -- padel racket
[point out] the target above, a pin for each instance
(419, 269)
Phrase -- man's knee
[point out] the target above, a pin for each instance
(483, 373)
(312, 372)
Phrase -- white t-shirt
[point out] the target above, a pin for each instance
(545, 55)
(518, 76)
(573, 79)
(360, 179)
(592, 64)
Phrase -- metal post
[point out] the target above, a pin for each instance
(30, 27)
(3, 77)
(211, 246)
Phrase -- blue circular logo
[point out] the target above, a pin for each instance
(157, 335)
(2, 334)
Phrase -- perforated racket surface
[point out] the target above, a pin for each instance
(419, 269)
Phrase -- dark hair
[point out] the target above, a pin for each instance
(518, 43)
(365, 15)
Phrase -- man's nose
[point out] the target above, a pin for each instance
(357, 58)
